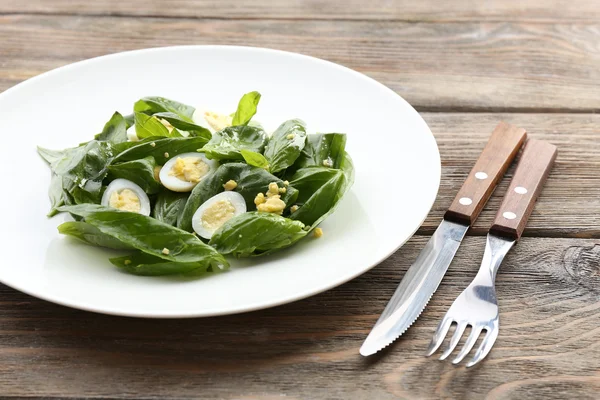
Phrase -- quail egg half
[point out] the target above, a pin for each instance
(125, 195)
(217, 210)
(184, 171)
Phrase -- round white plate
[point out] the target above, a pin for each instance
(396, 159)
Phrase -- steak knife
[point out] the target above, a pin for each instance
(425, 274)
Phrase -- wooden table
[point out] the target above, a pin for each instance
(464, 65)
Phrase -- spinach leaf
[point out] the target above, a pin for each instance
(91, 235)
(140, 263)
(50, 156)
(253, 233)
(246, 108)
(153, 104)
(321, 189)
(140, 172)
(250, 181)
(168, 206)
(255, 159)
(322, 149)
(285, 145)
(149, 126)
(227, 143)
(157, 148)
(115, 130)
(55, 193)
(149, 235)
(181, 124)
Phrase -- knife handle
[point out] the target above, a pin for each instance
(499, 152)
(531, 174)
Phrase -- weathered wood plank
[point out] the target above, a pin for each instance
(549, 293)
(570, 202)
(435, 66)
(405, 10)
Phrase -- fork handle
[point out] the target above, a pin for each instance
(531, 174)
(499, 152)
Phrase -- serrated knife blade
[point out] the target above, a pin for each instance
(426, 273)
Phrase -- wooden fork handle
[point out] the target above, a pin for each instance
(529, 179)
(500, 151)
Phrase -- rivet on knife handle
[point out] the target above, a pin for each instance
(531, 174)
(500, 151)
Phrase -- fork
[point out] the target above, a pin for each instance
(477, 305)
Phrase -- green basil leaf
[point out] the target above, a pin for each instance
(250, 181)
(115, 130)
(285, 145)
(140, 172)
(183, 125)
(162, 149)
(140, 263)
(149, 235)
(55, 193)
(246, 108)
(129, 120)
(255, 159)
(254, 233)
(322, 150)
(50, 156)
(91, 235)
(169, 206)
(149, 126)
(227, 144)
(153, 104)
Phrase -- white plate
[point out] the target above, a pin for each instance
(395, 155)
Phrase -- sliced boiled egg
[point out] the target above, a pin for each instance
(184, 171)
(217, 210)
(212, 121)
(125, 195)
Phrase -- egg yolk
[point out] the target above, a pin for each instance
(217, 214)
(189, 169)
(125, 200)
(217, 121)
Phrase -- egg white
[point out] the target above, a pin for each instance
(236, 199)
(177, 185)
(119, 185)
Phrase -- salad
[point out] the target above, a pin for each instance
(181, 188)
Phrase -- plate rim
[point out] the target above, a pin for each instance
(317, 289)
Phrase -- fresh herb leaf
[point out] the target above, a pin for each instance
(183, 125)
(154, 104)
(91, 235)
(140, 172)
(319, 188)
(150, 126)
(250, 181)
(129, 120)
(140, 263)
(162, 149)
(149, 235)
(255, 159)
(285, 145)
(50, 156)
(254, 233)
(169, 206)
(55, 193)
(115, 130)
(246, 108)
(322, 150)
(226, 144)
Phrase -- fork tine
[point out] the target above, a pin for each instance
(485, 347)
(460, 329)
(439, 335)
(468, 345)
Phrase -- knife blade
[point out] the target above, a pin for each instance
(426, 273)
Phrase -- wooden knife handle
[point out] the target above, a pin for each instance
(499, 152)
(531, 174)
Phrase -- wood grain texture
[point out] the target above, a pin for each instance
(435, 66)
(549, 296)
(525, 187)
(404, 10)
(497, 155)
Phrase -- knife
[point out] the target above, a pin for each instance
(425, 274)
